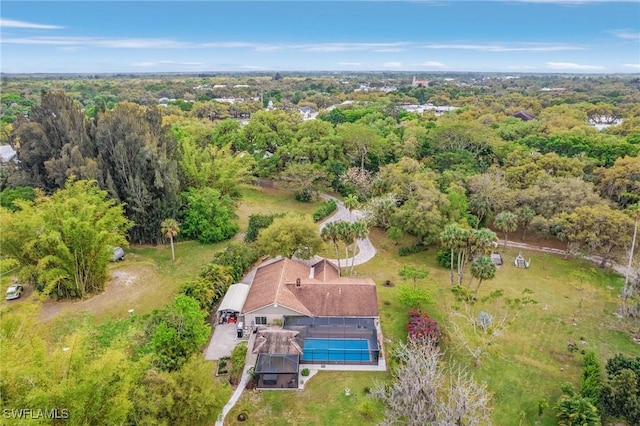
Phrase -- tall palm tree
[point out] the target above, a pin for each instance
(331, 232)
(351, 202)
(170, 228)
(347, 236)
(482, 268)
(360, 231)
(506, 222)
(453, 237)
(635, 213)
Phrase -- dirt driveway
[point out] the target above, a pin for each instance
(127, 289)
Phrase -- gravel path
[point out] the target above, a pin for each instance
(622, 270)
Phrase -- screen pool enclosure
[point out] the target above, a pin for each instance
(335, 340)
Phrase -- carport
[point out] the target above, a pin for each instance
(232, 303)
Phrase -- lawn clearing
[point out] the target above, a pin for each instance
(145, 281)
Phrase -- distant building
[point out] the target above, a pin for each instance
(419, 83)
(7, 154)
(524, 115)
(308, 113)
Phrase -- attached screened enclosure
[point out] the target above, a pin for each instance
(336, 340)
(274, 371)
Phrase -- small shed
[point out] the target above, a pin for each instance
(233, 301)
(496, 258)
(521, 262)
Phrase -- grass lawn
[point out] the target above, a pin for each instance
(322, 402)
(145, 281)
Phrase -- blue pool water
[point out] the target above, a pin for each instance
(325, 350)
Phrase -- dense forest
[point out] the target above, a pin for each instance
(115, 160)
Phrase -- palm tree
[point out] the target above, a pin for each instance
(635, 212)
(482, 268)
(347, 236)
(506, 222)
(170, 228)
(453, 237)
(351, 202)
(360, 231)
(331, 232)
(525, 215)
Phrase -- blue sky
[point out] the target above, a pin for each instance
(532, 36)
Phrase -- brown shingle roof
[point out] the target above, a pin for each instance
(326, 294)
(276, 341)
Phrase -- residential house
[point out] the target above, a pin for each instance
(303, 314)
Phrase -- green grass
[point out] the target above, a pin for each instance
(322, 402)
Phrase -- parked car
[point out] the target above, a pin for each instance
(118, 254)
(13, 292)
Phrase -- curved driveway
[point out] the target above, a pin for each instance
(366, 251)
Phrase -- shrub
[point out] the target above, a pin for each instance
(444, 257)
(303, 195)
(422, 326)
(258, 222)
(238, 355)
(305, 372)
(327, 207)
(407, 250)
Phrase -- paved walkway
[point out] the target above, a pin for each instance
(235, 397)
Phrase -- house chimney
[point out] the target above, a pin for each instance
(298, 283)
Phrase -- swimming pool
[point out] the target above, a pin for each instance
(337, 350)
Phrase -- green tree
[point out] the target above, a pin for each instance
(63, 242)
(179, 330)
(591, 380)
(360, 231)
(351, 203)
(304, 179)
(170, 228)
(597, 230)
(291, 235)
(330, 233)
(138, 166)
(576, 410)
(454, 238)
(506, 222)
(525, 216)
(413, 273)
(209, 217)
(482, 268)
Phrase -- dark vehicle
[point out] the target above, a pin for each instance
(118, 254)
(13, 292)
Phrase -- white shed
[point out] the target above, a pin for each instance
(233, 301)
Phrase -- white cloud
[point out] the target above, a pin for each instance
(433, 64)
(626, 34)
(11, 23)
(635, 66)
(351, 64)
(392, 65)
(573, 67)
(526, 47)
